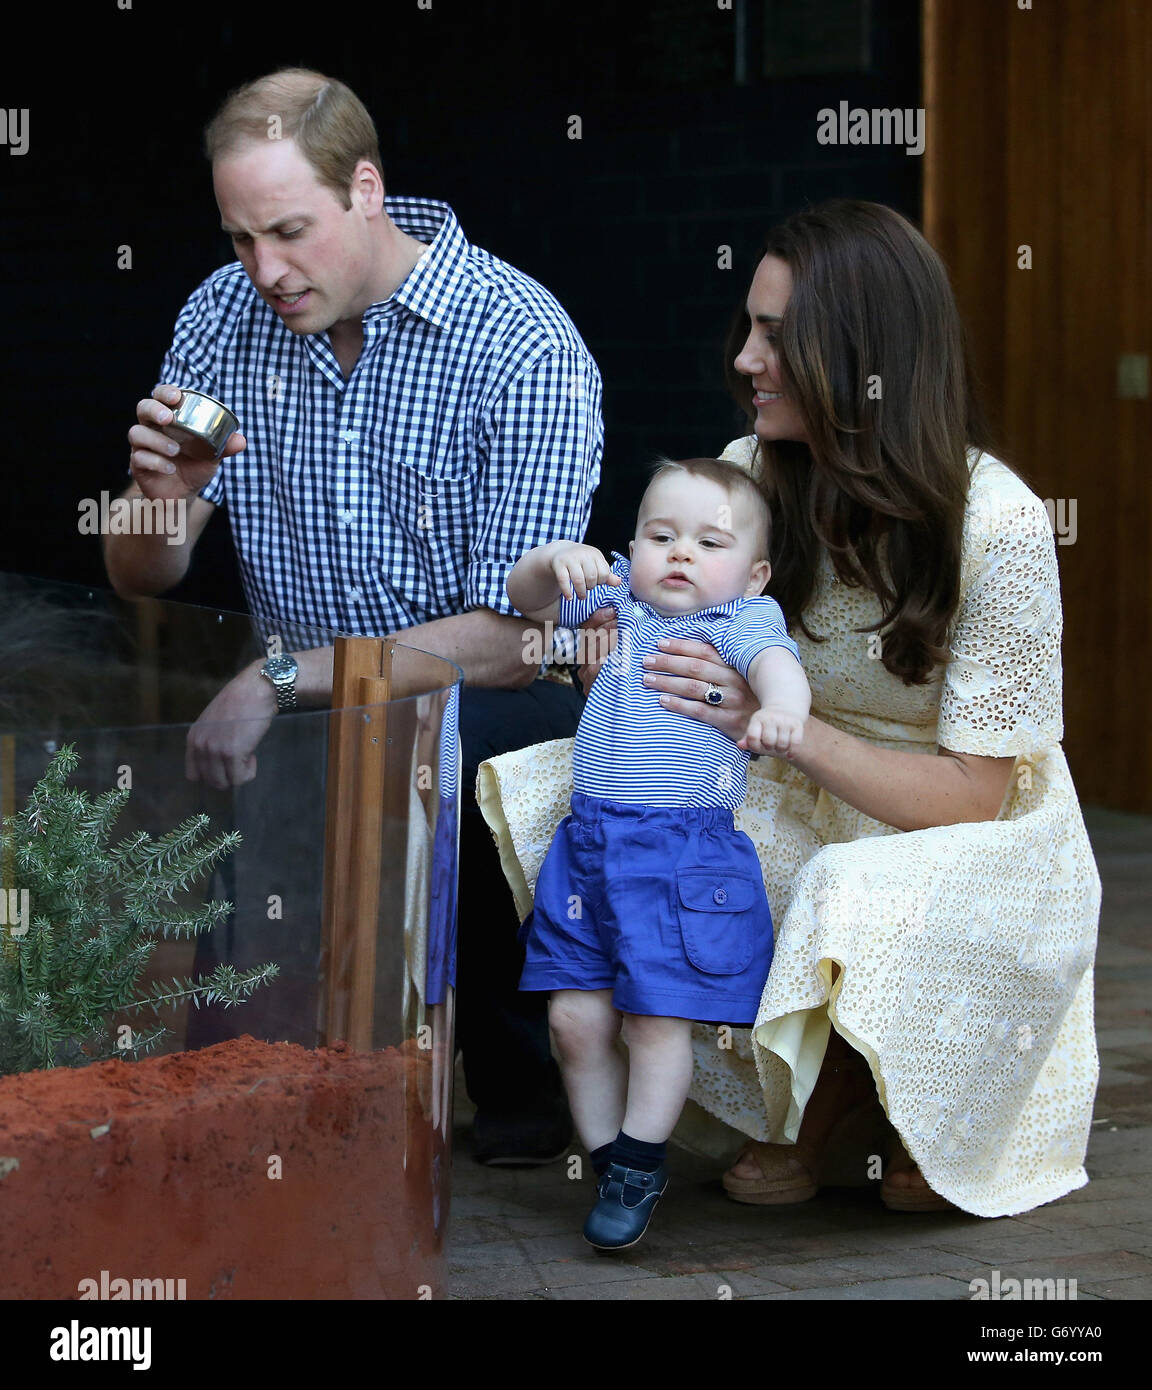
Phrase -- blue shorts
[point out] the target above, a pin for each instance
(665, 906)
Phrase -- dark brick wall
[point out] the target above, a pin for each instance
(473, 102)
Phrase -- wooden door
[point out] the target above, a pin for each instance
(1037, 194)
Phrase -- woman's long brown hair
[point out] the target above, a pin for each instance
(872, 354)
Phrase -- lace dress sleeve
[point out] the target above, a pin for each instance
(1002, 690)
(742, 451)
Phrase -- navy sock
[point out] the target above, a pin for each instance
(638, 1153)
(601, 1158)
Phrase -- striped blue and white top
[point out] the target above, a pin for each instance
(628, 746)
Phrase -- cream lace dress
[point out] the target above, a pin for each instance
(966, 951)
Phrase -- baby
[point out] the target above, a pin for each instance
(650, 910)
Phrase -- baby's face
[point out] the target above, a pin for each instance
(694, 546)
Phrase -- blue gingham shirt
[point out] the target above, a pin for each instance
(629, 747)
(468, 433)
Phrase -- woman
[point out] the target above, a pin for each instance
(931, 881)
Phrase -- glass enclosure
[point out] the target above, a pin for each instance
(227, 952)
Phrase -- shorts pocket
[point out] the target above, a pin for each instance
(718, 920)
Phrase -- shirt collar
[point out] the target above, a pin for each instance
(438, 280)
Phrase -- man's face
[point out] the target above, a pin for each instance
(293, 237)
(694, 546)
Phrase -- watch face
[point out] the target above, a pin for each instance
(280, 667)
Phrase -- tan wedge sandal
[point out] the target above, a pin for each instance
(792, 1173)
(918, 1197)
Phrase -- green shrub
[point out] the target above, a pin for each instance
(96, 912)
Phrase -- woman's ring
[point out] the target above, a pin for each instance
(714, 695)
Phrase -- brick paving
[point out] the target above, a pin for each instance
(516, 1232)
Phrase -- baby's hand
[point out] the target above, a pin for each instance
(773, 731)
(579, 568)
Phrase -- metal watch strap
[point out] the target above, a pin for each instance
(281, 671)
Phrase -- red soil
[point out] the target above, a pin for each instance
(161, 1169)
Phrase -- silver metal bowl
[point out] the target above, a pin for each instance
(201, 425)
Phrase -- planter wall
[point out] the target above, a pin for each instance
(245, 1170)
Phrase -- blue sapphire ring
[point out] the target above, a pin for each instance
(714, 695)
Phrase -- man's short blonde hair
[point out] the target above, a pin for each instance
(328, 121)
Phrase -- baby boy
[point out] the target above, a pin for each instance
(650, 909)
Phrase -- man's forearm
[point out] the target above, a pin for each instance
(493, 650)
(490, 648)
(141, 565)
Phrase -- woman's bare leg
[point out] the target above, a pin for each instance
(838, 1088)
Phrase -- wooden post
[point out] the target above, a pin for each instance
(365, 884)
(356, 778)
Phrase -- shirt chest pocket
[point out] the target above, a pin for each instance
(433, 502)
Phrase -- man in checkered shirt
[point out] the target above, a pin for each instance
(416, 415)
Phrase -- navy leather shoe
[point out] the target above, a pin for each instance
(627, 1200)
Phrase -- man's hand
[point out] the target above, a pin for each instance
(774, 731)
(220, 744)
(579, 568)
(596, 643)
(159, 466)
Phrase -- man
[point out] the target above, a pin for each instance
(417, 415)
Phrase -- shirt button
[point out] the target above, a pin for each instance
(720, 896)
(354, 595)
(347, 518)
(637, 611)
(349, 436)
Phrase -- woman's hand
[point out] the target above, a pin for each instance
(684, 669)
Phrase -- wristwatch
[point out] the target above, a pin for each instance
(281, 671)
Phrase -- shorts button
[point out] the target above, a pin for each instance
(720, 895)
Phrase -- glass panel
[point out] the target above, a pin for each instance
(287, 1135)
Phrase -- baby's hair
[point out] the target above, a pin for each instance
(734, 480)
